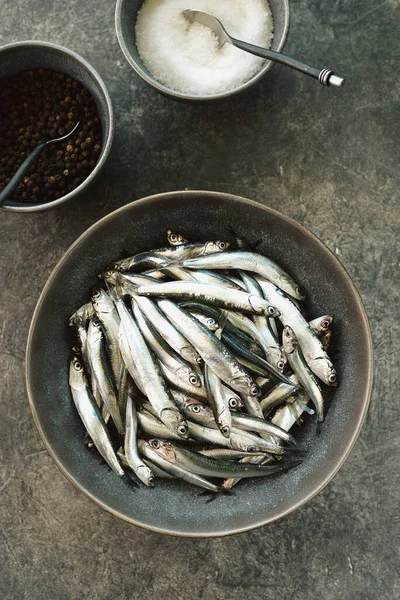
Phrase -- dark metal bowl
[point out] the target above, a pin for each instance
(175, 507)
(125, 20)
(19, 56)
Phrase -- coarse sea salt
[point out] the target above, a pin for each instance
(185, 56)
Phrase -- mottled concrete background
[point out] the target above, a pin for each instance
(328, 158)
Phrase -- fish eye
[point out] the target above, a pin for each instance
(195, 408)
(95, 294)
(271, 311)
(325, 324)
(251, 449)
(78, 365)
(254, 390)
(280, 364)
(182, 430)
(199, 360)
(332, 378)
(222, 245)
(225, 430)
(173, 237)
(193, 379)
(233, 403)
(151, 480)
(156, 444)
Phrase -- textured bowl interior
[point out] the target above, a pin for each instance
(176, 507)
(125, 20)
(34, 55)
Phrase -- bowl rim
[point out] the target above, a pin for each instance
(192, 195)
(155, 84)
(108, 137)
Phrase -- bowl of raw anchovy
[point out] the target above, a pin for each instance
(199, 364)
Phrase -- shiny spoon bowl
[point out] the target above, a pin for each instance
(324, 76)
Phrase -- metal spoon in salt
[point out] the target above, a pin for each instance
(324, 76)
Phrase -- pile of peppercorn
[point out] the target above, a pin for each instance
(38, 105)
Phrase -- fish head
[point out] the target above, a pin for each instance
(278, 358)
(77, 377)
(163, 448)
(101, 301)
(82, 315)
(146, 475)
(289, 340)
(235, 402)
(173, 419)
(197, 409)
(218, 246)
(246, 385)
(176, 239)
(325, 323)
(324, 370)
(111, 276)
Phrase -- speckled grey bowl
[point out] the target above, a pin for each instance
(31, 54)
(175, 507)
(125, 20)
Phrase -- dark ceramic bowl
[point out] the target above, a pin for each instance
(175, 507)
(125, 21)
(20, 56)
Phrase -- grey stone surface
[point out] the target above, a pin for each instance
(328, 158)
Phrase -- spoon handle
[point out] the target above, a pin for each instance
(19, 174)
(324, 76)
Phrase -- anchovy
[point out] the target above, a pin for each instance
(213, 294)
(303, 373)
(211, 349)
(173, 253)
(165, 461)
(207, 466)
(91, 416)
(248, 261)
(109, 319)
(102, 373)
(80, 319)
(310, 344)
(131, 451)
(218, 402)
(161, 349)
(135, 352)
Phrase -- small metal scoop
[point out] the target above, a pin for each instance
(324, 76)
(28, 162)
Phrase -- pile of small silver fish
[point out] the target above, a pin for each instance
(194, 361)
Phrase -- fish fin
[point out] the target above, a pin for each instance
(211, 496)
(130, 480)
(287, 466)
